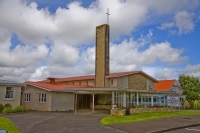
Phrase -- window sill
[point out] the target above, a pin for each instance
(42, 102)
(9, 99)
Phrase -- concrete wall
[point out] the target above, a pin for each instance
(122, 82)
(62, 101)
(15, 101)
(150, 84)
(34, 103)
(109, 84)
(176, 88)
(82, 82)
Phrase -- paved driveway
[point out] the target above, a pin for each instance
(61, 122)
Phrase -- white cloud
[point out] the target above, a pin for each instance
(192, 70)
(64, 55)
(51, 42)
(173, 73)
(182, 24)
(166, 73)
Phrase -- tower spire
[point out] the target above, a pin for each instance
(107, 15)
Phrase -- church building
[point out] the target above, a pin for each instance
(99, 91)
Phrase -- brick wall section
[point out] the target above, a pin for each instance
(137, 82)
(102, 55)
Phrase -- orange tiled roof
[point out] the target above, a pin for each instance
(54, 87)
(164, 85)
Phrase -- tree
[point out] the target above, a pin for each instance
(190, 86)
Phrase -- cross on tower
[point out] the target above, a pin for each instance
(107, 15)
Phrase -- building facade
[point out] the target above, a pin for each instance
(11, 92)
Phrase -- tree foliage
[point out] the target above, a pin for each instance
(190, 86)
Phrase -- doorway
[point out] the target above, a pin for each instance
(83, 101)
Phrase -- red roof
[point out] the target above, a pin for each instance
(92, 77)
(164, 85)
(56, 86)
(120, 74)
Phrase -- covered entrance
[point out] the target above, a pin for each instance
(83, 101)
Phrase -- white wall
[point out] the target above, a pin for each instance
(15, 101)
(34, 103)
(62, 101)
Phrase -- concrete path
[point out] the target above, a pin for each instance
(87, 122)
(61, 122)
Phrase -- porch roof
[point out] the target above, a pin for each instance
(114, 89)
(8, 82)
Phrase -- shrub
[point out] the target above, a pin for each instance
(195, 104)
(198, 105)
(19, 109)
(191, 102)
(7, 110)
(186, 105)
(7, 105)
(1, 107)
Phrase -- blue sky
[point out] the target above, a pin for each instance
(42, 38)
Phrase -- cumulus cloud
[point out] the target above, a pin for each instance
(173, 73)
(192, 70)
(51, 42)
(182, 24)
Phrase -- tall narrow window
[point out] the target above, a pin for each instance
(27, 97)
(9, 92)
(86, 82)
(111, 81)
(42, 97)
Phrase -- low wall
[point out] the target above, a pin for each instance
(102, 106)
(121, 112)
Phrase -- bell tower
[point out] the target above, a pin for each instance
(102, 54)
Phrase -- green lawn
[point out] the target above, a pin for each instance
(146, 116)
(5, 123)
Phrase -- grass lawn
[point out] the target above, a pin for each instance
(5, 123)
(146, 116)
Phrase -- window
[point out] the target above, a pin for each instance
(111, 81)
(27, 97)
(9, 92)
(42, 97)
(86, 82)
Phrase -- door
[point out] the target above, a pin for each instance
(83, 101)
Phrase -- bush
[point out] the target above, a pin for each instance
(195, 104)
(7, 110)
(1, 107)
(186, 105)
(198, 105)
(191, 102)
(7, 105)
(19, 109)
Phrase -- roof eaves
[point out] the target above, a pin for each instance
(39, 87)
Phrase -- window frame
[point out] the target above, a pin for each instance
(27, 97)
(13, 92)
(42, 98)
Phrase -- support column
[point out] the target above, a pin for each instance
(92, 102)
(124, 99)
(151, 99)
(164, 100)
(137, 99)
(131, 99)
(113, 98)
(75, 103)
